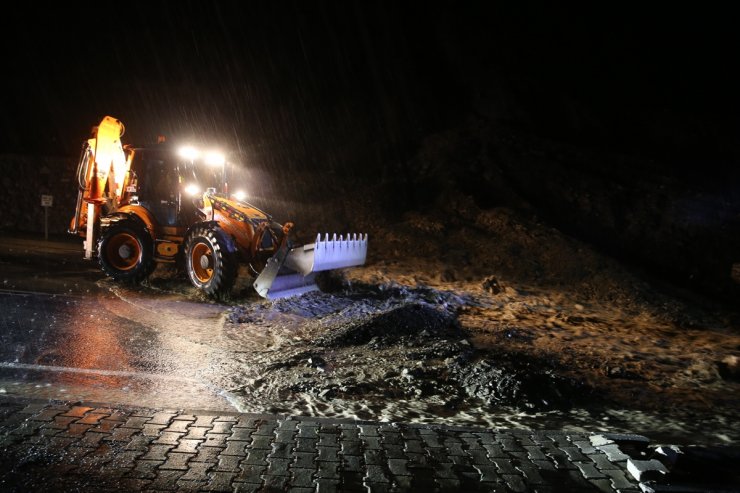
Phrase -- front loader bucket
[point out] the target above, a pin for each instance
(291, 273)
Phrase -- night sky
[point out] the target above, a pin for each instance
(320, 83)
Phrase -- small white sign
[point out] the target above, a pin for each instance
(47, 200)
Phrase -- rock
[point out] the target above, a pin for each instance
(646, 470)
(492, 285)
(668, 454)
(729, 368)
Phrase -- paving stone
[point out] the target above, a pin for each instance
(250, 473)
(91, 439)
(176, 461)
(374, 457)
(376, 474)
(42, 414)
(515, 483)
(266, 428)
(187, 446)
(161, 418)
(281, 450)
(145, 469)
(256, 457)
(78, 411)
(222, 427)
(248, 487)
(504, 466)
(394, 451)
(495, 451)
(305, 444)
(121, 434)
(300, 477)
(105, 426)
(228, 463)
(573, 453)
(327, 485)
(261, 441)
(285, 436)
(241, 434)
(352, 463)
(369, 430)
(329, 439)
(619, 480)
(329, 454)
(166, 480)
(220, 481)
(274, 483)
(152, 429)
(603, 485)
(398, 467)
(589, 471)
(278, 467)
(157, 452)
(585, 447)
(244, 421)
(196, 471)
(196, 433)
(349, 433)
(214, 440)
(204, 421)
(137, 422)
(186, 486)
(177, 426)
(531, 473)
(371, 443)
(488, 474)
(613, 452)
(328, 470)
(60, 422)
(305, 460)
(351, 447)
(207, 454)
(235, 448)
(295, 489)
(168, 438)
(602, 462)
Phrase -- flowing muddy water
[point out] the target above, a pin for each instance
(394, 353)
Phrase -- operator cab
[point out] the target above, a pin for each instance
(171, 185)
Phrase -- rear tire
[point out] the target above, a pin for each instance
(126, 252)
(210, 265)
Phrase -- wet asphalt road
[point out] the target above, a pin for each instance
(68, 333)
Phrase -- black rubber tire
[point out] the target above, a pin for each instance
(210, 264)
(126, 252)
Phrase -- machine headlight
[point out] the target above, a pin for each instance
(240, 195)
(192, 190)
(188, 152)
(215, 159)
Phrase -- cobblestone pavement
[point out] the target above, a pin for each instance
(82, 447)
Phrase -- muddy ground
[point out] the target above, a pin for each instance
(492, 318)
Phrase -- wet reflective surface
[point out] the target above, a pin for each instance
(372, 355)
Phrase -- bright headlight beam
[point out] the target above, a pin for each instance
(192, 189)
(188, 152)
(240, 195)
(215, 159)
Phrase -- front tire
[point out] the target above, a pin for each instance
(210, 264)
(126, 252)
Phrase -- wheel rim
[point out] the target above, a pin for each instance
(201, 260)
(123, 251)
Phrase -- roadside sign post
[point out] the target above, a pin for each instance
(46, 202)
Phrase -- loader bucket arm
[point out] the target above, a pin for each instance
(291, 271)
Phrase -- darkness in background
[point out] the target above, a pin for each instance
(311, 78)
(353, 89)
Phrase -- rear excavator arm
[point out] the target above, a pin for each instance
(102, 162)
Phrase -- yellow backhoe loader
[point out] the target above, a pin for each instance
(137, 207)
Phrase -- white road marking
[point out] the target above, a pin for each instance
(89, 371)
